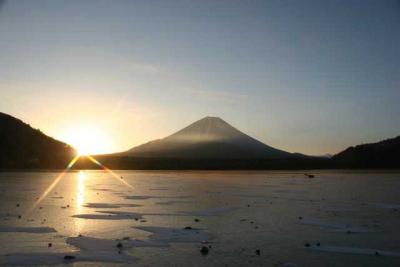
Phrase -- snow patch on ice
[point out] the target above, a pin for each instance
(209, 212)
(99, 244)
(174, 235)
(338, 227)
(33, 230)
(35, 259)
(109, 215)
(355, 250)
(139, 197)
(109, 206)
(93, 249)
(172, 202)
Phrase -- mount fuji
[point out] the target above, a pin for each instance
(210, 137)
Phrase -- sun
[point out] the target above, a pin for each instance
(88, 139)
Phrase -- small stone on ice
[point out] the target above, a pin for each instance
(204, 250)
(69, 257)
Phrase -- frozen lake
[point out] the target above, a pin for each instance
(160, 218)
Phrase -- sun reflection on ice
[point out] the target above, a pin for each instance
(81, 189)
(80, 199)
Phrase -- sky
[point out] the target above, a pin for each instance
(304, 76)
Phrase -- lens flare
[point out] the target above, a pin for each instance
(119, 178)
(81, 181)
(54, 183)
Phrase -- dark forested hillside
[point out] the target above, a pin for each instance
(384, 154)
(22, 147)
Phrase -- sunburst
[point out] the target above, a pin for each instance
(65, 171)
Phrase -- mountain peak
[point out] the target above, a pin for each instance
(205, 130)
(211, 118)
(209, 137)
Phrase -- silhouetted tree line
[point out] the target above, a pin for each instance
(22, 147)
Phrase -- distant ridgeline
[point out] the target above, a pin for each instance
(384, 154)
(209, 143)
(22, 147)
